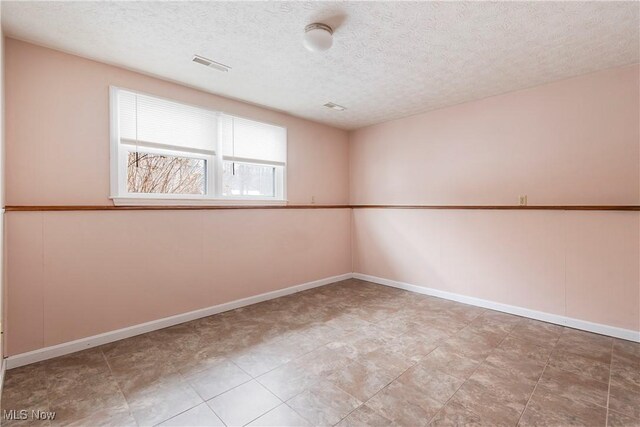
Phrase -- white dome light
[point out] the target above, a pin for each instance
(317, 37)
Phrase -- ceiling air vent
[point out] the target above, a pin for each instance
(209, 63)
(335, 106)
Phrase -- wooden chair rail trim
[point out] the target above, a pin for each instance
(165, 208)
(508, 207)
(233, 207)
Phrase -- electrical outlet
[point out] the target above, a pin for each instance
(522, 200)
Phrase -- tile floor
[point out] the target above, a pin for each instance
(348, 354)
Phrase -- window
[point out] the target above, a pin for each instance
(253, 156)
(168, 152)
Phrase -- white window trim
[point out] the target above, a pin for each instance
(213, 160)
(188, 201)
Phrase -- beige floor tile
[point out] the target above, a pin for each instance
(627, 349)
(24, 388)
(204, 357)
(199, 416)
(364, 416)
(508, 386)
(625, 372)
(538, 333)
(216, 379)
(515, 367)
(119, 416)
(95, 396)
(77, 366)
(624, 401)
(319, 333)
(404, 405)
(572, 386)
(346, 322)
(453, 414)
(591, 346)
(162, 401)
(288, 380)
(549, 409)
(322, 362)
(361, 381)
(411, 358)
(445, 324)
(430, 334)
(177, 340)
(263, 358)
(387, 360)
(450, 362)
(492, 331)
(139, 375)
(414, 347)
(243, 404)
(154, 389)
(576, 336)
(324, 404)
(355, 346)
(520, 349)
(280, 416)
(495, 405)
(504, 321)
(131, 348)
(471, 345)
(432, 383)
(30, 422)
(615, 419)
(580, 365)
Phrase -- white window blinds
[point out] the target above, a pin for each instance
(249, 140)
(163, 149)
(154, 122)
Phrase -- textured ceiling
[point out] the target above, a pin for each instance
(389, 59)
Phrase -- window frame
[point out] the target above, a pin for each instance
(120, 195)
(279, 176)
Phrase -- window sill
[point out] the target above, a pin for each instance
(161, 201)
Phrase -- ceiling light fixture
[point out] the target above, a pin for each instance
(210, 63)
(317, 37)
(335, 106)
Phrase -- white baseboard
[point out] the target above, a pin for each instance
(107, 337)
(626, 334)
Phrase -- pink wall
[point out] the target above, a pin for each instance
(57, 118)
(77, 274)
(570, 142)
(2, 281)
(583, 265)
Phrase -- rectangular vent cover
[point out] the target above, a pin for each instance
(335, 106)
(209, 63)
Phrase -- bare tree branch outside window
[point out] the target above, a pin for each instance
(154, 173)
